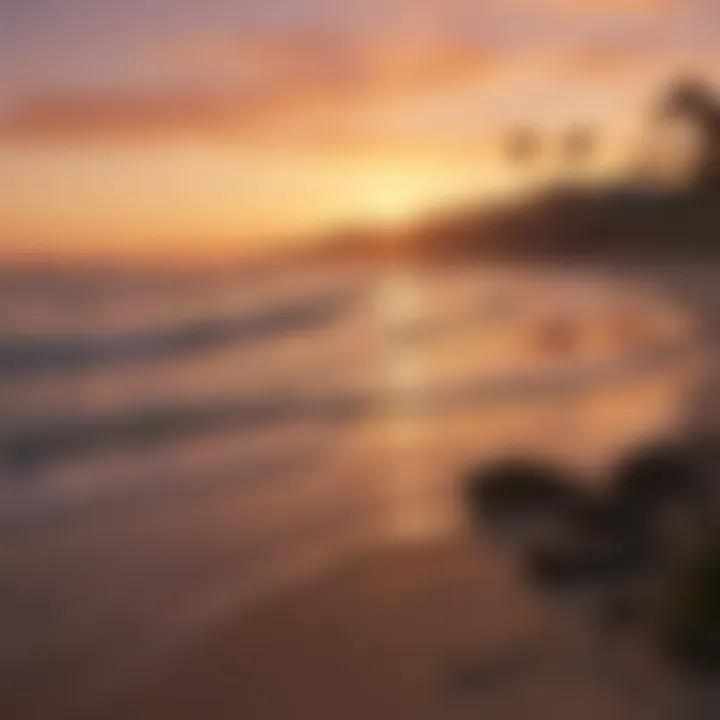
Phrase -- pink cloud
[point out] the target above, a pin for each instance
(264, 81)
(625, 7)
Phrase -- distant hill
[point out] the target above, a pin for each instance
(632, 221)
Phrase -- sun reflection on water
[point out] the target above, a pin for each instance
(609, 387)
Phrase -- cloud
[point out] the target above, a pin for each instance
(138, 115)
(318, 89)
(248, 85)
(602, 64)
(613, 7)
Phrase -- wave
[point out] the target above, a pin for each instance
(65, 353)
(25, 449)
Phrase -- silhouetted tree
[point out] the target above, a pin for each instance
(522, 146)
(578, 144)
(695, 101)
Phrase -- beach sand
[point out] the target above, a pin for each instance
(439, 630)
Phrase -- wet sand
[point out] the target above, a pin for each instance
(441, 630)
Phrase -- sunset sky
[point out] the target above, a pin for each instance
(189, 127)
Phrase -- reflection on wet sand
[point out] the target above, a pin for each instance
(487, 391)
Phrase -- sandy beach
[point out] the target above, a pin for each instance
(442, 630)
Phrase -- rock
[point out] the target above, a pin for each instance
(689, 627)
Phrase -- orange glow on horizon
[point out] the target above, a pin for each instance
(393, 149)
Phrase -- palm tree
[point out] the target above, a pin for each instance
(522, 146)
(578, 144)
(695, 101)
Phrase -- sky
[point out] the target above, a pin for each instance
(173, 127)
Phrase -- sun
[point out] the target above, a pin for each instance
(395, 193)
(394, 202)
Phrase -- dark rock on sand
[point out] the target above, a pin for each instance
(657, 475)
(520, 488)
(690, 626)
